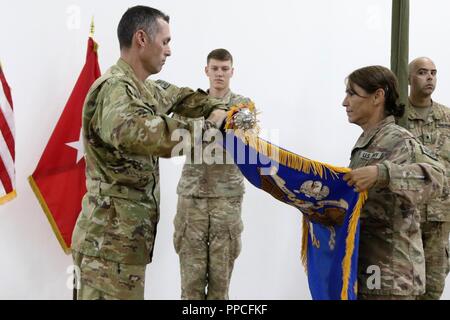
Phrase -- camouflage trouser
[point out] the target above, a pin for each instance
(100, 279)
(436, 246)
(208, 240)
(381, 297)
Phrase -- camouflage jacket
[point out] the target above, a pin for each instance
(206, 179)
(125, 129)
(391, 257)
(434, 133)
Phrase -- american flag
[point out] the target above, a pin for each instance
(7, 139)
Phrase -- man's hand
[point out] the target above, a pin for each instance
(362, 178)
(218, 116)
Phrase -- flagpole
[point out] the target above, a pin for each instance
(91, 34)
(400, 48)
(92, 30)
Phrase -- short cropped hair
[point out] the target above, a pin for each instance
(220, 54)
(136, 18)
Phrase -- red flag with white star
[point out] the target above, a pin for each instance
(59, 180)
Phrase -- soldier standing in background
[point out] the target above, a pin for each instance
(126, 128)
(429, 122)
(208, 222)
(399, 174)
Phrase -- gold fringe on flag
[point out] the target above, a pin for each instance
(287, 158)
(350, 244)
(8, 197)
(49, 215)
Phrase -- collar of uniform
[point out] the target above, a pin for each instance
(226, 98)
(366, 137)
(435, 112)
(129, 72)
(412, 114)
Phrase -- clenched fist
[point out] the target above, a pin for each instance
(362, 178)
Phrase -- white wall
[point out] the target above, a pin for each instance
(291, 58)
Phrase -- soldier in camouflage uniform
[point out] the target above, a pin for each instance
(429, 122)
(126, 128)
(399, 174)
(208, 223)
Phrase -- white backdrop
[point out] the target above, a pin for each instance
(291, 58)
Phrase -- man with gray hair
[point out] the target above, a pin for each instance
(126, 127)
(429, 122)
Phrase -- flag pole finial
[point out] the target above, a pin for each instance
(91, 33)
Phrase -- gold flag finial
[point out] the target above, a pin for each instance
(91, 34)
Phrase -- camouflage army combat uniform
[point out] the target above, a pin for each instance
(125, 129)
(391, 257)
(433, 131)
(208, 224)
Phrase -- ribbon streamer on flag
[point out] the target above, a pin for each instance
(59, 180)
(330, 208)
(7, 142)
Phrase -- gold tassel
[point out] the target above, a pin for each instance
(304, 253)
(350, 245)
